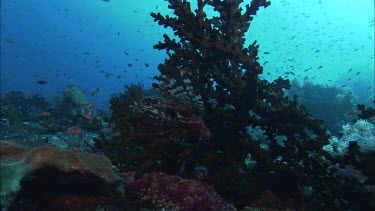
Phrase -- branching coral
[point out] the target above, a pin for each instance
(209, 54)
(212, 50)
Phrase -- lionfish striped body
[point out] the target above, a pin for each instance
(180, 107)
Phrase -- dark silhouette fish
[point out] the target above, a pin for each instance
(42, 82)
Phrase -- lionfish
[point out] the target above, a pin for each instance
(179, 107)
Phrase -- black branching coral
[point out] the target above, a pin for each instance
(224, 73)
(223, 70)
(204, 110)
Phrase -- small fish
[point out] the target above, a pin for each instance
(320, 67)
(130, 65)
(350, 70)
(44, 113)
(87, 105)
(86, 53)
(48, 122)
(73, 131)
(42, 82)
(36, 75)
(352, 112)
(118, 33)
(126, 53)
(266, 52)
(10, 41)
(95, 91)
(358, 73)
(147, 65)
(88, 116)
(117, 133)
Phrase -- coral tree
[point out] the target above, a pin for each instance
(209, 55)
(223, 71)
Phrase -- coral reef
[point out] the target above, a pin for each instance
(74, 96)
(362, 132)
(70, 103)
(17, 106)
(270, 201)
(34, 121)
(162, 191)
(366, 113)
(58, 175)
(328, 103)
(210, 75)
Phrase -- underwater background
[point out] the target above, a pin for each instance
(70, 42)
(101, 110)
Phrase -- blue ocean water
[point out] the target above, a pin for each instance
(203, 140)
(104, 45)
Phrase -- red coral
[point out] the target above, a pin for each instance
(172, 192)
(270, 201)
